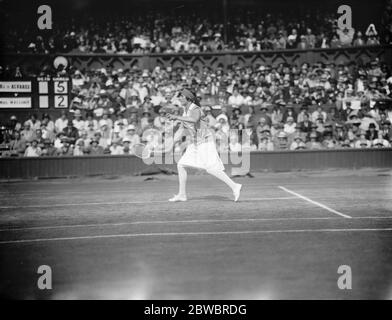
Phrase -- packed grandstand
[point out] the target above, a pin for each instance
(278, 107)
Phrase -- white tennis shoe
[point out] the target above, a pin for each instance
(237, 192)
(178, 198)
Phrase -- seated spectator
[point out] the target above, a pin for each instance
(34, 122)
(33, 150)
(95, 149)
(362, 142)
(386, 130)
(236, 100)
(131, 136)
(61, 123)
(78, 122)
(48, 150)
(234, 145)
(328, 142)
(14, 125)
(380, 142)
(27, 133)
(313, 144)
(289, 126)
(70, 132)
(116, 148)
(371, 133)
(79, 149)
(298, 143)
(282, 142)
(319, 114)
(265, 143)
(17, 146)
(66, 148)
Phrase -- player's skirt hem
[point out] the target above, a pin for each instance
(202, 156)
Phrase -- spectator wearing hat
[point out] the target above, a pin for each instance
(362, 142)
(265, 143)
(234, 144)
(306, 125)
(386, 130)
(313, 143)
(314, 131)
(90, 123)
(289, 112)
(277, 114)
(95, 149)
(328, 142)
(297, 132)
(34, 122)
(61, 123)
(78, 122)
(105, 135)
(339, 134)
(380, 142)
(319, 113)
(236, 99)
(290, 126)
(80, 148)
(27, 133)
(131, 135)
(298, 143)
(33, 150)
(48, 150)
(121, 122)
(250, 119)
(39, 138)
(116, 148)
(209, 117)
(160, 120)
(264, 114)
(14, 125)
(17, 145)
(105, 119)
(70, 132)
(146, 121)
(372, 133)
(281, 143)
(47, 127)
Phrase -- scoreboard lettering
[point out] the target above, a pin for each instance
(35, 93)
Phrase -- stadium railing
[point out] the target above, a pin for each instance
(213, 59)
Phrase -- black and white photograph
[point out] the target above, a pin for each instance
(195, 150)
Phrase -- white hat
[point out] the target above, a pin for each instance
(131, 127)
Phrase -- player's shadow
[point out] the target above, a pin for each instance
(213, 198)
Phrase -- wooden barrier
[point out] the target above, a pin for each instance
(54, 167)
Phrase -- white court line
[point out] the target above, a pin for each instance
(180, 222)
(134, 235)
(316, 203)
(127, 191)
(128, 202)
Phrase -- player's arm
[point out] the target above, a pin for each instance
(193, 118)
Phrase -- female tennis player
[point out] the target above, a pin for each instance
(201, 153)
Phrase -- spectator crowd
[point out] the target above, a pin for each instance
(176, 32)
(260, 107)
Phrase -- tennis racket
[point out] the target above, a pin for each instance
(141, 151)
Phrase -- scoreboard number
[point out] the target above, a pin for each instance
(60, 87)
(61, 101)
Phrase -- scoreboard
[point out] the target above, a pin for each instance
(36, 93)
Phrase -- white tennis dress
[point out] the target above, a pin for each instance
(201, 153)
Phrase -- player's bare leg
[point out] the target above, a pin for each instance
(182, 177)
(235, 187)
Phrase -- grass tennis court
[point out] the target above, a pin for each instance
(119, 238)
